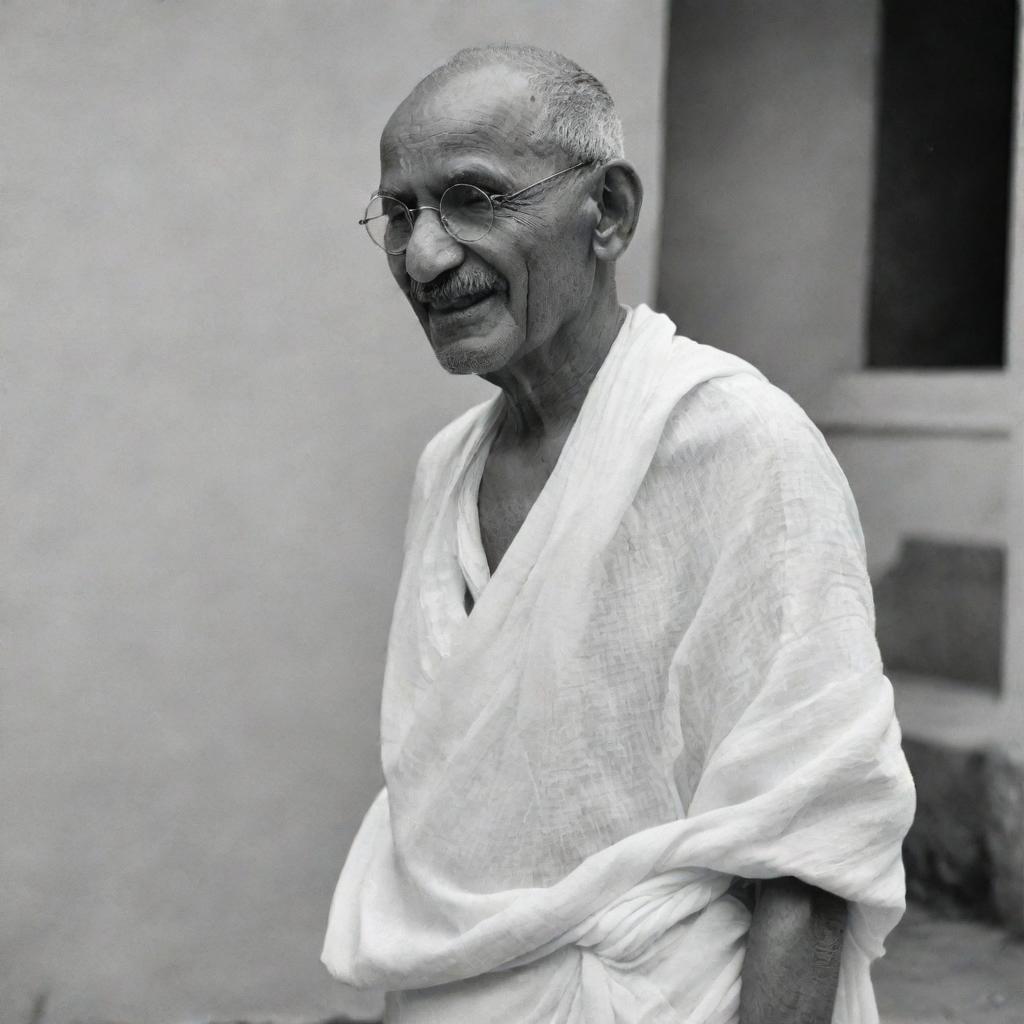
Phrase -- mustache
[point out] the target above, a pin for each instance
(456, 284)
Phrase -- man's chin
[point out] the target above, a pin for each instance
(477, 340)
(477, 354)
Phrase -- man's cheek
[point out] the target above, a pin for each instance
(517, 295)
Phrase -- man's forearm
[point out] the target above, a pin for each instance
(791, 969)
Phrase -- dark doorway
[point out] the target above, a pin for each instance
(945, 110)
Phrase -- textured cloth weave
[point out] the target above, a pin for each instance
(670, 680)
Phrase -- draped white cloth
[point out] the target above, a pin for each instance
(670, 680)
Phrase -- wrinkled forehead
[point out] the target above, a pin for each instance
(489, 112)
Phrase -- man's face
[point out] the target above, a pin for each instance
(484, 304)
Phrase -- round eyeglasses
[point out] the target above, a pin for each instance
(466, 212)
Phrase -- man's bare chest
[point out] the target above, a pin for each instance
(511, 483)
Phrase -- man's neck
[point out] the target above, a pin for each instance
(545, 389)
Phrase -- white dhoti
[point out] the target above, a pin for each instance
(671, 680)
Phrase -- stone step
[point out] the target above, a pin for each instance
(965, 850)
(940, 611)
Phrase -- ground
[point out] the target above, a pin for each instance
(939, 971)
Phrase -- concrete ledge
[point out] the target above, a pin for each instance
(949, 713)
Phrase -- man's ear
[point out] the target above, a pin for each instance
(619, 195)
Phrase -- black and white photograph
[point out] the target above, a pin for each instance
(512, 512)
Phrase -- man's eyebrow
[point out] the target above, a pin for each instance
(470, 173)
(478, 174)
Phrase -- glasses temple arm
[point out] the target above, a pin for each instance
(565, 170)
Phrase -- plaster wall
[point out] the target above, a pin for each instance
(213, 397)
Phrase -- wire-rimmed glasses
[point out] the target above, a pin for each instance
(466, 212)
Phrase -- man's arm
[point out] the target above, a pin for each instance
(791, 968)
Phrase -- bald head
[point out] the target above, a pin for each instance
(574, 111)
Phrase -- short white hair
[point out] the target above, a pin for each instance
(577, 113)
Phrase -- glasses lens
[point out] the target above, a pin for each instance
(466, 212)
(389, 224)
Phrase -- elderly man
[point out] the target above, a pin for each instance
(641, 761)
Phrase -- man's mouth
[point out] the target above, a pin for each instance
(454, 303)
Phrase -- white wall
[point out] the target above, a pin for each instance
(212, 401)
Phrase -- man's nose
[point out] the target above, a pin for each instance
(431, 250)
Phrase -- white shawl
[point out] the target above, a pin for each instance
(670, 680)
